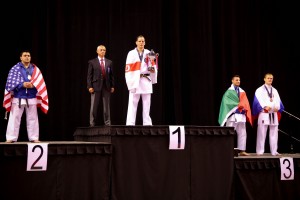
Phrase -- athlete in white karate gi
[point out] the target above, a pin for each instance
(235, 111)
(268, 106)
(25, 90)
(139, 80)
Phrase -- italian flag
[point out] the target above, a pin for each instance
(231, 102)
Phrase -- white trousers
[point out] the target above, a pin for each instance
(261, 138)
(14, 121)
(240, 128)
(132, 108)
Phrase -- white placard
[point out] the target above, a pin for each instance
(37, 156)
(287, 168)
(177, 137)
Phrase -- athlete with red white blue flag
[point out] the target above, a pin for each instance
(267, 108)
(25, 89)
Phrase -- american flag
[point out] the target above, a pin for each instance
(15, 78)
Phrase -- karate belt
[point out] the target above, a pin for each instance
(26, 103)
(145, 76)
(271, 116)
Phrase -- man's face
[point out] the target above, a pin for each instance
(25, 57)
(236, 81)
(140, 43)
(268, 79)
(101, 50)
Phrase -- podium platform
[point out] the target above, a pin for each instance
(144, 168)
(259, 178)
(75, 170)
(135, 162)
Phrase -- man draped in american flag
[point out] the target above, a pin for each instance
(25, 89)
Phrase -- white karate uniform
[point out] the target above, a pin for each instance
(269, 119)
(144, 90)
(15, 116)
(238, 121)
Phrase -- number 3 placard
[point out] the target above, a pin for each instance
(177, 137)
(37, 156)
(287, 168)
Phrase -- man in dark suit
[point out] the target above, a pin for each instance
(100, 83)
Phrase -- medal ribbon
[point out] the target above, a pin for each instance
(140, 56)
(269, 93)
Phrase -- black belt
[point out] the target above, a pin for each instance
(20, 102)
(271, 118)
(146, 76)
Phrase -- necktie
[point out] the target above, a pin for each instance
(102, 67)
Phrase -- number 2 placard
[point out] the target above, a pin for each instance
(37, 156)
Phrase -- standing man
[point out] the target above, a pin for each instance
(140, 74)
(235, 111)
(267, 106)
(100, 83)
(25, 89)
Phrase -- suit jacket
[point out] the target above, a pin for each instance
(95, 76)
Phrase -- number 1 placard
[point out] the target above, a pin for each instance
(177, 137)
(37, 156)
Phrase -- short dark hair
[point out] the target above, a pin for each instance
(24, 51)
(235, 76)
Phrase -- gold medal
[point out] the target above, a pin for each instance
(271, 99)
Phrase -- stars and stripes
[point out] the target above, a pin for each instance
(42, 95)
(15, 78)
